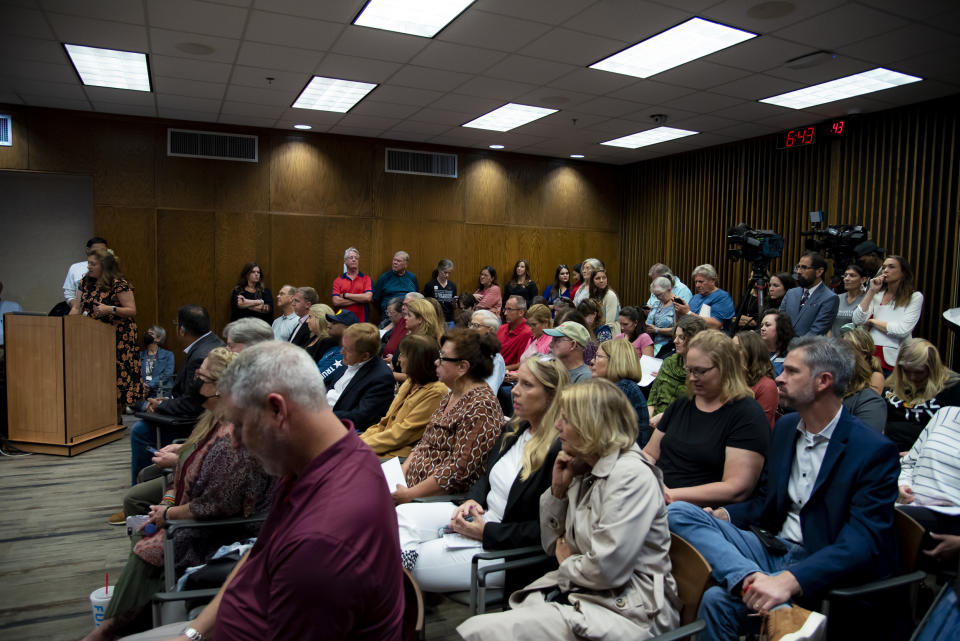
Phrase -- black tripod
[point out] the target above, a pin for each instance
(759, 283)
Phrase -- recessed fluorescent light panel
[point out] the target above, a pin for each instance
(649, 137)
(856, 85)
(417, 17)
(509, 116)
(110, 68)
(688, 41)
(331, 94)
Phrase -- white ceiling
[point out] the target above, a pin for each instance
(533, 52)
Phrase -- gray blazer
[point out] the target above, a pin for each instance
(817, 315)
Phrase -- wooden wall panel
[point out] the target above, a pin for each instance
(61, 143)
(132, 233)
(238, 239)
(124, 171)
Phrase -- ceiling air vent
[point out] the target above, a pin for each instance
(423, 163)
(208, 144)
(6, 132)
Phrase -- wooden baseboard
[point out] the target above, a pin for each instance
(98, 438)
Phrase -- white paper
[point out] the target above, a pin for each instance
(456, 541)
(705, 311)
(650, 367)
(393, 474)
(952, 510)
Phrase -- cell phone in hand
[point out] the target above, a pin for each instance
(677, 299)
(152, 450)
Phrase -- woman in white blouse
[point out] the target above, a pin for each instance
(501, 510)
(890, 309)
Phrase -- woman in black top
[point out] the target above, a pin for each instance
(711, 443)
(250, 298)
(521, 283)
(443, 289)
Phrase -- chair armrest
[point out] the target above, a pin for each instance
(509, 565)
(441, 498)
(165, 420)
(682, 632)
(171, 597)
(174, 525)
(876, 586)
(512, 553)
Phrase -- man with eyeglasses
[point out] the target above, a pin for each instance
(812, 306)
(515, 334)
(569, 339)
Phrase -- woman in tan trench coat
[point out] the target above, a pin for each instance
(605, 520)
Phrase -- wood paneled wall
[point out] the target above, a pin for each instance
(896, 173)
(183, 228)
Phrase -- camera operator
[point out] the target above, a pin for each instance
(719, 302)
(812, 306)
(869, 257)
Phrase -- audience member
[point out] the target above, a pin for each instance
(419, 396)
(514, 335)
(671, 380)
(78, 271)
(711, 443)
(776, 330)
(465, 307)
(6, 307)
(156, 366)
(460, 434)
(854, 282)
(105, 294)
(616, 361)
(560, 285)
(400, 330)
(562, 305)
(777, 287)
(488, 291)
(521, 283)
(604, 520)
(663, 314)
(503, 504)
(758, 372)
(587, 267)
(890, 309)
(212, 479)
(245, 332)
(869, 257)
(330, 364)
(717, 301)
(287, 322)
(442, 289)
(569, 339)
(606, 299)
(861, 342)
(677, 287)
(396, 282)
(920, 385)
(421, 320)
(320, 340)
(328, 551)
(576, 280)
(860, 398)
(352, 289)
(250, 299)
(538, 319)
(484, 322)
(630, 324)
(394, 314)
(364, 391)
(829, 507)
(303, 299)
(812, 307)
(186, 402)
(589, 310)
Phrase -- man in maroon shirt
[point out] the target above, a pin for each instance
(327, 562)
(515, 334)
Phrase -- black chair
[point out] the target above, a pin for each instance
(172, 423)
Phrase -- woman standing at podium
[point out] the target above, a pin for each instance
(107, 296)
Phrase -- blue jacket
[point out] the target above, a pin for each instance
(162, 380)
(848, 522)
(817, 314)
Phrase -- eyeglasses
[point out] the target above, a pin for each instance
(804, 267)
(512, 309)
(697, 372)
(449, 359)
(474, 325)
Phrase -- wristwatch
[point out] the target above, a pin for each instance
(192, 634)
(114, 309)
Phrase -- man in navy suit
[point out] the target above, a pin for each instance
(362, 395)
(812, 306)
(823, 516)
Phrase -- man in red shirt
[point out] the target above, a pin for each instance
(352, 289)
(515, 334)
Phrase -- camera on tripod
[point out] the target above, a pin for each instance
(836, 242)
(753, 245)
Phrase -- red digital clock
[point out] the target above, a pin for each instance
(805, 136)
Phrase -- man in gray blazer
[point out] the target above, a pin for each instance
(812, 306)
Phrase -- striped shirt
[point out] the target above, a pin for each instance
(932, 467)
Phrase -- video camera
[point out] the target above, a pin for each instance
(836, 242)
(753, 245)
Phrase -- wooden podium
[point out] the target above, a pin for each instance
(61, 383)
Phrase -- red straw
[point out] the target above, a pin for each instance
(106, 576)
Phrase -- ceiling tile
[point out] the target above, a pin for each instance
(33, 87)
(554, 98)
(28, 23)
(199, 70)
(593, 81)
(760, 54)
(187, 114)
(404, 95)
(9, 97)
(99, 33)
(493, 88)
(700, 74)
(949, 20)
(164, 42)
(189, 103)
(526, 69)
(549, 11)
(335, 65)
(443, 116)
(912, 40)
(741, 14)
(197, 17)
(256, 77)
(379, 44)
(55, 102)
(119, 10)
(31, 69)
(750, 111)
(13, 47)
(251, 109)
(340, 11)
(702, 122)
(386, 109)
(568, 125)
(260, 96)
(841, 26)
(627, 20)
(255, 54)
(610, 107)
(421, 128)
(427, 78)
(405, 136)
(651, 92)
(702, 102)
(122, 96)
(192, 88)
(747, 130)
(913, 10)
(453, 57)
(757, 87)
(573, 47)
(148, 111)
(363, 132)
(832, 69)
(367, 122)
(492, 31)
(244, 120)
(932, 65)
(291, 31)
(319, 119)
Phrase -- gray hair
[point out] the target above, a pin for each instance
(659, 269)
(291, 288)
(248, 331)
(444, 264)
(351, 249)
(158, 332)
(660, 284)
(706, 270)
(402, 254)
(412, 296)
(487, 318)
(396, 304)
(822, 354)
(274, 367)
(596, 263)
(520, 301)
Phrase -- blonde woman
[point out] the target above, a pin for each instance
(759, 372)
(919, 386)
(712, 442)
(862, 343)
(504, 501)
(320, 340)
(616, 361)
(860, 398)
(421, 320)
(604, 520)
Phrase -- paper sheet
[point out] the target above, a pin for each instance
(455, 541)
(705, 311)
(393, 474)
(650, 367)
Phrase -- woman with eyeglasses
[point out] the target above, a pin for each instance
(463, 429)
(671, 380)
(502, 508)
(560, 285)
(711, 443)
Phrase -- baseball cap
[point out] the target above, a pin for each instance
(868, 247)
(344, 316)
(573, 331)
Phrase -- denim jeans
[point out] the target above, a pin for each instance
(142, 436)
(734, 554)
